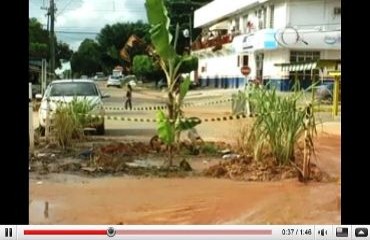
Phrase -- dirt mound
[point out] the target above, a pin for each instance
(246, 169)
(131, 149)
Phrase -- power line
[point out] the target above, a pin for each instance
(76, 32)
(65, 6)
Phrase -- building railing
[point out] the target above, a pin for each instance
(212, 42)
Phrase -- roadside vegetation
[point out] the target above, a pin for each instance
(69, 121)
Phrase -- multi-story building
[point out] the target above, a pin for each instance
(261, 34)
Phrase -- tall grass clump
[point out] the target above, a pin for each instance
(69, 121)
(279, 124)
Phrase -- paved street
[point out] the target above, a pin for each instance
(142, 97)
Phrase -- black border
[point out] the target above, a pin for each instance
(355, 143)
(355, 123)
(14, 160)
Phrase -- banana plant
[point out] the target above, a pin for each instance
(169, 126)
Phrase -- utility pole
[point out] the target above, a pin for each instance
(51, 36)
(190, 28)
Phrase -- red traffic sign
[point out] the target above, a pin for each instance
(245, 70)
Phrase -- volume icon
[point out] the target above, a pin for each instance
(323, 232)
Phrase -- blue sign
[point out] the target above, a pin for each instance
(269, 39)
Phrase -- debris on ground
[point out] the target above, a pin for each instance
(225, 151)
(87, 154)
(185, 166)
(141, 163)
(230, 156)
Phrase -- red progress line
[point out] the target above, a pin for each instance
(194, 232)
(65, 232)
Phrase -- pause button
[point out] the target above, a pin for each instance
(8, 232)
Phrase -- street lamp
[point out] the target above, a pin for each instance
(187, 32)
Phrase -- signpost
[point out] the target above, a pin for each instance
(336, 75)
(245, 70)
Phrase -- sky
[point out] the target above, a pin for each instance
(80, 19)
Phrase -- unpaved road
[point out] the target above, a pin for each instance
(127, 200)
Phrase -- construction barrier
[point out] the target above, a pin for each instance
(212, 119)
(162, 107)
(131, 119)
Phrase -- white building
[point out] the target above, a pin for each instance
(262, 33)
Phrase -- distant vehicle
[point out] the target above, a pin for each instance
(130, 79)
(115, 81)
(84, 77)
(66, 91)
(99, 76)
(162, 84)
(117, 71)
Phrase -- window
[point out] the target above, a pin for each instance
(303, 56)
(237, 24)
(272, 13)
(259, 65)
(71, 89)
(261, 15)
(245, 60)
(245, 24)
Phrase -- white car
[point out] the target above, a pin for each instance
(65, 91)
(115, 81)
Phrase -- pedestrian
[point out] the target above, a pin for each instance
(128, 97)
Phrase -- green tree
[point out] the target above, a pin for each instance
(143, 66)
(87, 59)
(147, 68)
(39, 43)
(169, 126)
(38, 40)
(63, 51)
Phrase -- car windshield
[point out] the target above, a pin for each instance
(73, 89)
(115, 77)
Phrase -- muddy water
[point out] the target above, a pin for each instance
(127, 200)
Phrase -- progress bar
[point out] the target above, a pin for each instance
(65, 232)
(148, 232)
(194, 232)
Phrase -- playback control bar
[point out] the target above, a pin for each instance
(182, 232)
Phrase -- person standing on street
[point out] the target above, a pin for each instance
(128, 97)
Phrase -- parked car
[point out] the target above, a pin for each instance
(325, 91)
(115, 81)
(65, 91)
